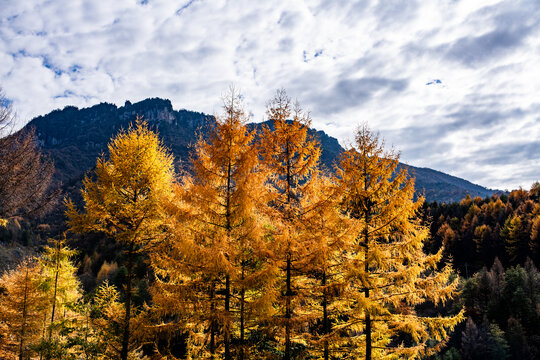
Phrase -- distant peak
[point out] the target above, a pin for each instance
(151, 103)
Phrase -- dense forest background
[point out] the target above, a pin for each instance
(492, 242)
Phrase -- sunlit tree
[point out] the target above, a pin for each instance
(22, 307)
(125, 201)
(292, 155)
(516, 237)
(328, 234)
(387, 271)
(219, 238)
(62, 289)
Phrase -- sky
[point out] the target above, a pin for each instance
(453, 85)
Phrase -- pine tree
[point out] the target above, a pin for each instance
(22, 306)
(126, 200)
(225, 230)
(107, 321)
(84, 341)
(328, 236)
(516, 238)
(292, 156)
(62, 290)
(474, 342)
(387, 271)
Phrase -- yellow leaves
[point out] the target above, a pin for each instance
(288, 150)
(388, 271)
(413, 328)
(273, 244)
(58, 277)
(438, 327)
(138, 162)
(22, 307)
(107, 299)
(217, 263)
(127, 197)
(127, 200)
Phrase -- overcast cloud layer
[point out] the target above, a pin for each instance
(454, 85)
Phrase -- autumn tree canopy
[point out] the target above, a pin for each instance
(388, 272)
(126, 200)
(219, 250)
(62, 291)
(291, 154)
(21, 311)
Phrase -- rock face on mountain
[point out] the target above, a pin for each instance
(74, 138)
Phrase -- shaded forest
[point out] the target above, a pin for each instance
(258, 253)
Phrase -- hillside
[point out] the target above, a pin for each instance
(74, 138)
(442, 187)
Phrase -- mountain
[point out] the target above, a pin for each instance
(74, 138)
(441, 187)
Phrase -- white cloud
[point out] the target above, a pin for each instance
(346, 61)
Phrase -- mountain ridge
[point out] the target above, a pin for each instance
(74, 138)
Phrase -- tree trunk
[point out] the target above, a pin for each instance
(54, 296)
(226, 329)
(127, 318)
(43, 331)
(288, 311)
(213, 320)
(242, 309)
(24, 314)
(288, 291)
(326, 324)
(368, 334)
(366, 290)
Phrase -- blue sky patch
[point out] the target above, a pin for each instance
(433, 82)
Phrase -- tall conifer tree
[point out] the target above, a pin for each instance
(292, 155)
(61, 288)
(388, 272)
(226, 247)
(22, 306)
(328, 235)
(126, 200)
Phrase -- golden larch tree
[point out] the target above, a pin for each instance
(181, 296)
(101, 328)
(107, 319)
(62, 289)
(328, 234)
(22, 307)
(225, 244)
(387, 271)
(126, 200)
(292, 155)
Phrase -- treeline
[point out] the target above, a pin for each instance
(476, 231)
(258, 254)
(494, 244)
